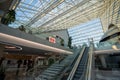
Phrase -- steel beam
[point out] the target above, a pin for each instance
(47, 10)
(64, 13)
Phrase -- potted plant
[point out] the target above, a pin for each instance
(9, 17)
(70, 42)
(22, 28)
(62, 42)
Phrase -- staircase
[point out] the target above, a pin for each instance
(57, 68)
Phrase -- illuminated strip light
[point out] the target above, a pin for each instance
(10, 47)
(20, 41)
(13, 48)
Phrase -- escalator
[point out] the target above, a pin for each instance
(80, 65)
(55, 70)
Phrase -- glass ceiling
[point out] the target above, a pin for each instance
(47, 15)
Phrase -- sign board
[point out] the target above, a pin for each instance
(52, 40)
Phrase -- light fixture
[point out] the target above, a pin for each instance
(114, 47)
(10, 47)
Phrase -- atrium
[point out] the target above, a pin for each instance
(59, 39)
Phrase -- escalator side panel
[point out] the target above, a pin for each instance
(82, 65)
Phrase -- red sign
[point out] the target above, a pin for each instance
(52, 40)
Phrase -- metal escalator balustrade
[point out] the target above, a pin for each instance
(76, 57)
(83, 68)
(90, 75)
(82, 65)
(70, 61)
(71, 75)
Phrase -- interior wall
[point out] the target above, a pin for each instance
(61, 33)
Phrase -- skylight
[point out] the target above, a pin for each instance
(45, 15)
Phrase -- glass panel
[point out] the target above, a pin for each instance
(82, 33)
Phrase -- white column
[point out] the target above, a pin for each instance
(46, 62)
(41, 62)
(102, 58)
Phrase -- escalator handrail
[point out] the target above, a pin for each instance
(71, 75)
(76, 52)
(76, 56)
(88, 74)
(84, 72)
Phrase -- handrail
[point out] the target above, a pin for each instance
(84, 71)
(90, 63)
(70, 77)
(70, 64)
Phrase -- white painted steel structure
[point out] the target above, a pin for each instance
(47, 15)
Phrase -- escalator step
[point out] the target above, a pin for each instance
(77, 75)
(78, 72)
(52, 72)
(45, 77)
